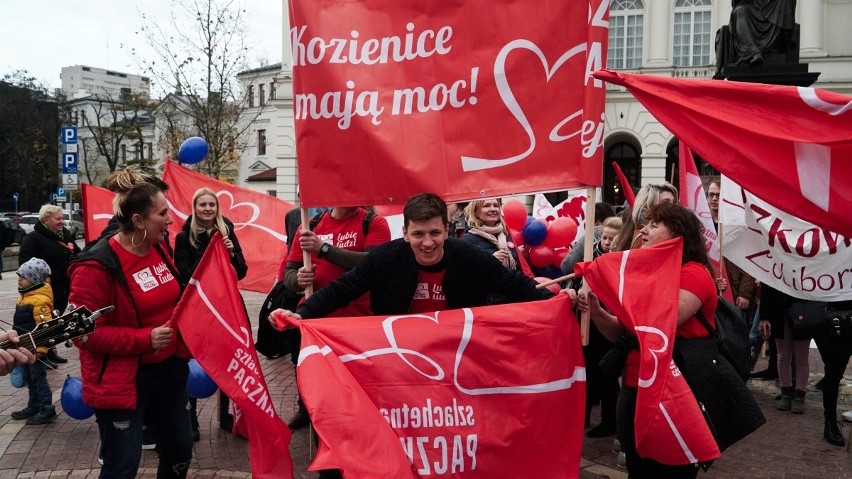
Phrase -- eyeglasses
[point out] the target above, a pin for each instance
(713, 195)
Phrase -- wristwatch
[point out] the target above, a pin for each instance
(324, 249)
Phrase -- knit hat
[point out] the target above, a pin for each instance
(36, 271)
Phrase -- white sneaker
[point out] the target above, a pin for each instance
(621, 462)
(847, 416)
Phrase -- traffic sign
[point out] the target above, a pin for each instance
(69, 163)
(16, 197)
(60, 194)
(71, 148)
(69, 181)
(68, 135)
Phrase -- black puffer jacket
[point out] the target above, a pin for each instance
(389, 274)
(187, 256)
(57, 252)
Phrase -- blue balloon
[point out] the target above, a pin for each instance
(199, 385)
(72, 399)
(529, 220)
(535, 232)
(193, 150)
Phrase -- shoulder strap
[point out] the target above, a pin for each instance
(368, 220)
(710, 329)
(315, 220)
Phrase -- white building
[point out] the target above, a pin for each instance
(673, 38)
(80, 80)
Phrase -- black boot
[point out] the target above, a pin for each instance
(54, 357)
(833, 432)
(300, 419)
(785, 402)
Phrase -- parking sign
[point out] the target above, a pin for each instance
(69, 163)
(68, 135)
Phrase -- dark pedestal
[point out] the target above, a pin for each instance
(795, 74)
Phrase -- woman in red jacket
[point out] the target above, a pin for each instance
(133, 361)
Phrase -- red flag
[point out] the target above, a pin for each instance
(790, 146)
(692, 196)
(258, 221)
(397, 98)
(485, 392)
(669, 426)
(625, 185)
(213, 322)
(97, 210)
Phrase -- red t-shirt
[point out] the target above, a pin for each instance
(697, 280)
(429, 295)
(154, 289)
(348, 234)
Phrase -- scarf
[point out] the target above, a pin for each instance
(496, 236)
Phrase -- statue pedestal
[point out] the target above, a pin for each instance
(795, 74)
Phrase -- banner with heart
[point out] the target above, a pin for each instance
(465, 99)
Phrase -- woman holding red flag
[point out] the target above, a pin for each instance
(134, 361)
(663, 222)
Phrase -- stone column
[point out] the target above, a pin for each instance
(811, 29)
(659, 34)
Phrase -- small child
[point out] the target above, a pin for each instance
(33, 307)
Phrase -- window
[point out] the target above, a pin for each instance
(628, 158)
(272, 90)
(691, 33)
(261, 93)
(626, 20)
(149, 147)
(261, 142)
(123, 153)
(250, 95)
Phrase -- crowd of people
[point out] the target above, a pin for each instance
(448, 257)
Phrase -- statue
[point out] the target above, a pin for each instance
(758, 28)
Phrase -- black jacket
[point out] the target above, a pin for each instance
(57, 253)
(187, 257)
(389, 274)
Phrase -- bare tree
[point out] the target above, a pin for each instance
(198, 56)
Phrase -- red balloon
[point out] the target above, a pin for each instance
(560, 232)
(553, 287)
(558, 256)
(541, 256)
(515, 214)
(517, 237)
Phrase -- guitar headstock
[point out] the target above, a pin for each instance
(73, 324)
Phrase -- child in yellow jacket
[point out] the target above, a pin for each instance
(33, 307)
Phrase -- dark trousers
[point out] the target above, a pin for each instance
(41, 398)
(162, 389)
(639, 467)
(835, 352)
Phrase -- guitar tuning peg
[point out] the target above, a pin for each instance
(68, 344)
(56, 313)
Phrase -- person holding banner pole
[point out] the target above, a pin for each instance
(649, 196)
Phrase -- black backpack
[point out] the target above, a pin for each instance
(731, 335)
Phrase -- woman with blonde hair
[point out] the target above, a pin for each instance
(649, 196)
(205, 221)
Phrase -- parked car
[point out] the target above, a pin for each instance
(73, 222)
(15, 216)
(28, 222)
(10, 224)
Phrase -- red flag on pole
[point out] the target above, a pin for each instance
(625, 185)
(447, 394)
(212, 320)
(669, 426)
(790, 146)
(97, 210)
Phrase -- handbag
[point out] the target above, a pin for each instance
(270, 342)
(817, 319)
(730, 335)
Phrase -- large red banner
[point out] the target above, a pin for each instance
(790, 146)
(487, 392)
(669, 426)
(212, 319)
(97, 210)
(258, 221)
(467, 99)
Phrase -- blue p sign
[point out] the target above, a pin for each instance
(69, 135)
(15, 197)
(69, 163)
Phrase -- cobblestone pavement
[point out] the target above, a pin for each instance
(788, 446)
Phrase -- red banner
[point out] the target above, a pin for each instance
(97, 210)
(669, 426)
(212, 319)
(467, 99)
(486, 392)
(790, 146)
(258, 221)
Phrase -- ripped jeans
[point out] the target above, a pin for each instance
(162, 388)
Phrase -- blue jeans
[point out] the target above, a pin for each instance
(41, 399)
(162, 388)
(755, 338)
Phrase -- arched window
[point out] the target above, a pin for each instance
(673, 164)
(627, 157)
(626, 18)
(691, 33)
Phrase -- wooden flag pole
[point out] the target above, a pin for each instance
(587, 256)
(554, 281)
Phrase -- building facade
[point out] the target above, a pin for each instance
(81, 80)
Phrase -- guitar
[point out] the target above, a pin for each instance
(73, 324)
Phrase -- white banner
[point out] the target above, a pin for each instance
(783, 251)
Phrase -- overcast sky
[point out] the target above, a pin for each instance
(42, 36)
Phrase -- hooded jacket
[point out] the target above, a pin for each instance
(187, 256)
(109, 357)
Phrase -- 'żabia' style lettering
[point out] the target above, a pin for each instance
(353, 50)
